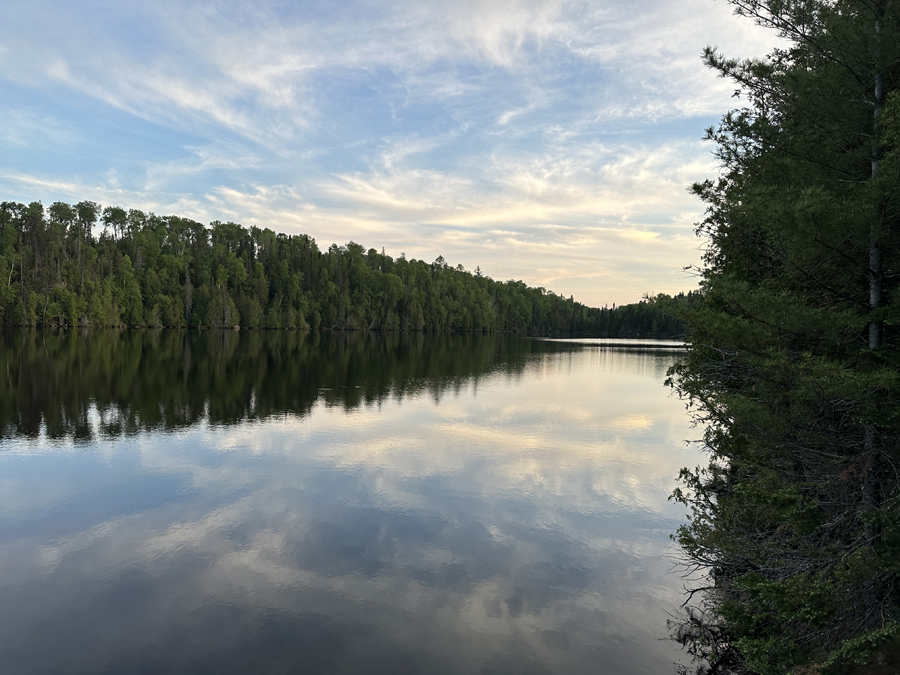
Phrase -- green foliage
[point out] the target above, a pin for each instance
(793, 368)
(146, 270)
(860, 650)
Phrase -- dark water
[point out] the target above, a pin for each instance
(246, 502)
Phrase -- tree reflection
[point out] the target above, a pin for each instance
(78, 383)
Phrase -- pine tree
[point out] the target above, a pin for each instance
(793, 360)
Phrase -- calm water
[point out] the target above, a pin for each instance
(248, 502)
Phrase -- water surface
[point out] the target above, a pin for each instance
(244, 502)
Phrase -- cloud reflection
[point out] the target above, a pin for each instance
(515, 526)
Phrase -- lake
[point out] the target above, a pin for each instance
(279, 502)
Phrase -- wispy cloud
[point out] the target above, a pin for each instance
(202, 159)
(23, 127)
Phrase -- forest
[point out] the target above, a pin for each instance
(793, 370)
(86, 265)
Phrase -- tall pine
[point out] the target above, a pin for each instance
(793, 362)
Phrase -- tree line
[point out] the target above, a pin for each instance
(87, 265)
(793, 366)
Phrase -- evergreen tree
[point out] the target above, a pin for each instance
(793, 361)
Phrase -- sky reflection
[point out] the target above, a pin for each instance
(517, 525)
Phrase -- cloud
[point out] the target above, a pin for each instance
(25, 187)
(23, 127)
(253, 73)
(219, 157)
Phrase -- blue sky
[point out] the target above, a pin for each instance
(548, 141)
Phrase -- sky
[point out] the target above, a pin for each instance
(552, 141)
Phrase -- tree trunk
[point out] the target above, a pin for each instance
(872, 460)
(875, 273)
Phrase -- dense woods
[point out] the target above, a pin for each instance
(59, 268)
(793, 365)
